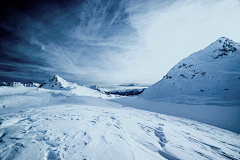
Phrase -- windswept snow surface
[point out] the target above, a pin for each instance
(48, 124)
(227, 117)
(210, 76)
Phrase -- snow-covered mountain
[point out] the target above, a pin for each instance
(12, 84)
(17, 84)
(209, 74)
(58, 83)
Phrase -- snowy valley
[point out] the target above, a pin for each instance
(192, 113)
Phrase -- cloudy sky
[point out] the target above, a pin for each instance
(108, 42)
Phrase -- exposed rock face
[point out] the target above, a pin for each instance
(121, 92)
(127, 92)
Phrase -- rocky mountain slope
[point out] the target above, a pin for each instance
(211, 75)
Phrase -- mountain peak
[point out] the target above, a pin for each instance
(222, 47)
(56, 82)
(56, 78)
(223, 39)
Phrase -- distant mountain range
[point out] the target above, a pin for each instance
(210, 74)
(125, 91)
(58, 83)
(15, 84)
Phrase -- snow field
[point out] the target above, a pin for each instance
(226, 117)
(53, 124)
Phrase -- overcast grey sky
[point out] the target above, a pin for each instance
(106, 42)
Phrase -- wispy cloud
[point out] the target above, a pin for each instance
(109, 42)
